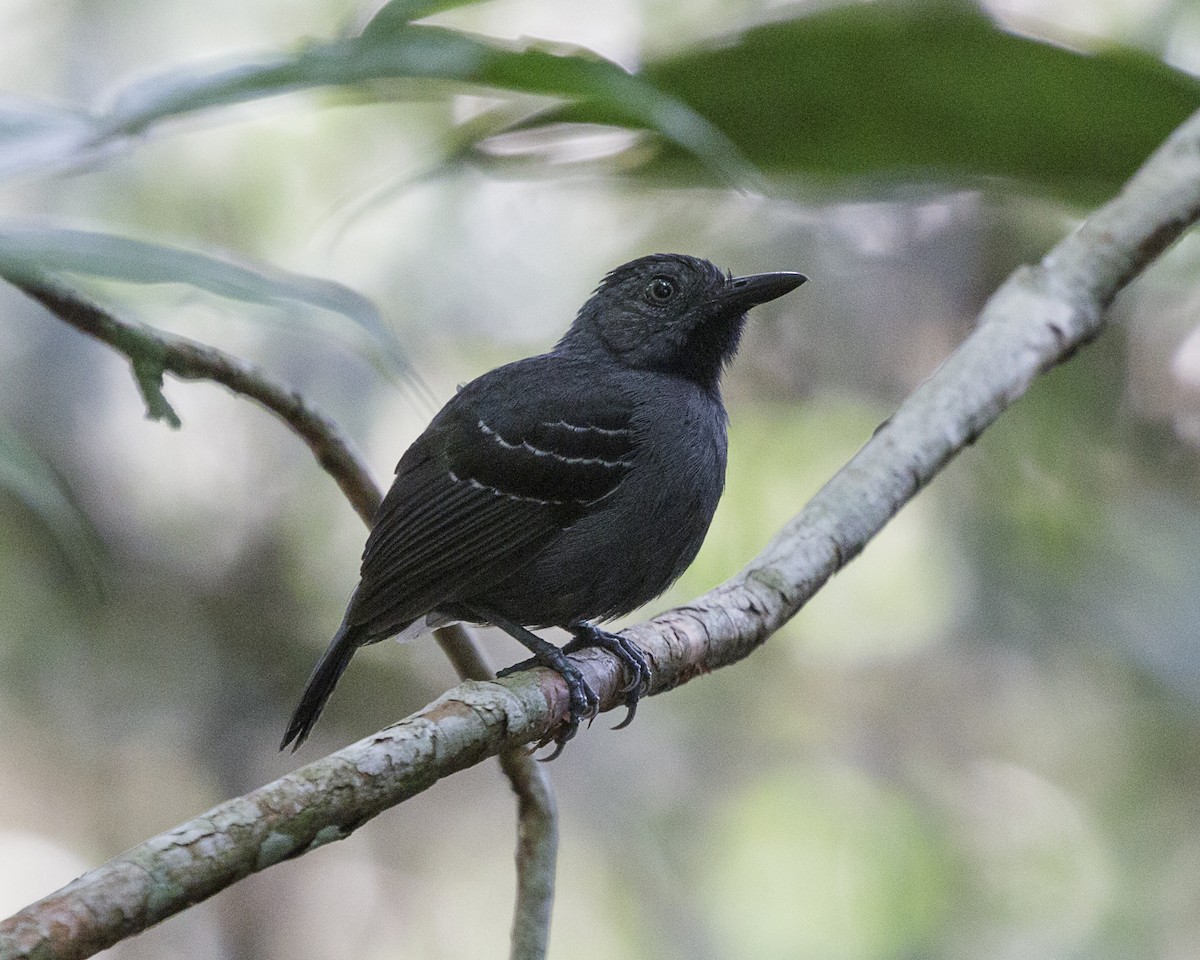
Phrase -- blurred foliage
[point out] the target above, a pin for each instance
(389, 48)
(920, 91)
(44, 250)
(29, 479)
(978, 741)
(900, 91)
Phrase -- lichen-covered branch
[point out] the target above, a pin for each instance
(317, 804)
(1038, 318)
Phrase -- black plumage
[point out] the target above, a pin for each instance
(565, 488)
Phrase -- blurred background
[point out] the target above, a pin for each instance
(981, 740)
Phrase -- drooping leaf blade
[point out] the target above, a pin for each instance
(394, 50)
(40, 251)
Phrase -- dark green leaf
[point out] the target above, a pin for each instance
(914, 91)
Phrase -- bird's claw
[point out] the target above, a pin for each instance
(630, 712)
(625, 650)
(518, 667)
(584, 704)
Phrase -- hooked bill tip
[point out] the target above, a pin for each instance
(758, 288)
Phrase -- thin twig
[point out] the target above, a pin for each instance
(537, 853)
(1037, 319)
(152, 353)
(537, 815)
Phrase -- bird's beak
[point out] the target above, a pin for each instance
(743, 293)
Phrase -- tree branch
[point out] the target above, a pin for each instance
(537, 813)
(1037, 319)
(152, 353)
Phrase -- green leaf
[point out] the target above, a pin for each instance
(34, 483)
(917, 92)
(391, 49)
(34, 252)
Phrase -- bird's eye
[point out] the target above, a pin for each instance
(660, 290)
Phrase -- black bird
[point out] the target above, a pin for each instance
(565, 488)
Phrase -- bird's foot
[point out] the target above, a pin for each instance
(583, 704)
(625, 650)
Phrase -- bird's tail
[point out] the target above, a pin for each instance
(325, 676)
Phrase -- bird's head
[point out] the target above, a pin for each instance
(671, 313)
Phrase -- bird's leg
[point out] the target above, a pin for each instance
(630, 655)
(584, 704)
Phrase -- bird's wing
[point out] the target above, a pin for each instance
(485, 487)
